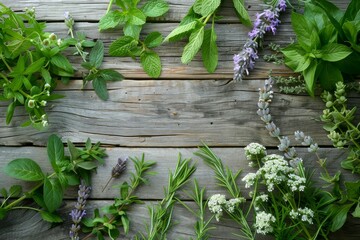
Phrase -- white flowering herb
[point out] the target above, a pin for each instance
(263, 223)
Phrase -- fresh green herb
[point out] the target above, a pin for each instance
(161, 214)
(115, 215)
(132, 18)
(49, 189)
(327, 48)
(193, 27)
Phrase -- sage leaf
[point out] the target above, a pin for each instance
(151, 63)
(96, 55)
(99, 85)
(122, 47)
(210, 50)
(24, 169)
(195, 41)
(155, 8)
(53, 194)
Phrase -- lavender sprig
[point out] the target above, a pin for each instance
(117, 170)
(267, 21)
(79, 211)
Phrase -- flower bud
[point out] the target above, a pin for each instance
(43, 103)
(52, 37)
(329, 104)
(31, 103)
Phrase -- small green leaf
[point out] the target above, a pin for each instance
(155, 8)
(242, 12)
(208, 7)
(110, 75)
(74, 152)
(19, 97)
(126, 223)
(3, 213)
(50, 217)
(136, 17)
(55, 151)
(122, 47)
(195, 41)
(87, 165)
(35, 66)
(334, 52)
(53, 194)
(15, 190)
(182, 29)
(99, 85)
(113, 232)
(97, 54)
(24, 169)
(210, 50)
(62, 62)
(112, 19)
(10, 112)
(356, 212)
(151, 63)
(46, 75)
(154, 39)
(132, 30)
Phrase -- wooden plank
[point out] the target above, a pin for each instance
(166, 159)
(33, 228)
(169, 113)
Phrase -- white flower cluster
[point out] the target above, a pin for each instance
(261, 198)
(296, 183)
(263, 222)
(255, 151)
(217, 204)
(249, 179)
(305, 214)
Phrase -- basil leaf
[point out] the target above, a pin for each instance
(55, 151)
(53, 194)
(334, 52)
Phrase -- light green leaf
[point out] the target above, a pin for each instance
(155, 8)
(151, 63)
(87, 165)
(35, 66)
(99, 86)
(110, 75)
(96, 55)
(195, 41)
(302, 27)
(17, 83)
(46, 75)
(122, 47)
(296, 58)
(309, 76)
(136, 17)
(53, 194)
(334, 52)
(112, 19)
(208, 7)
(356, 212)
(24, 169)
(181, 30)
(197, 6)
(62, 62)
(242, 12)
(154, 39)
(132, 30)
(55, 151)
(210, 50)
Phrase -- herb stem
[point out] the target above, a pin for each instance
(6, 64)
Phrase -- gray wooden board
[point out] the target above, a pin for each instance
(166, 159)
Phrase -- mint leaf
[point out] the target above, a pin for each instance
(110, 75)
(62, 62)
(154, 39)
(209, 6)
(96, 55)
(334, 52)
(132, 30)
(99, 86)
(24, 169)
(112, 19)
(53, 194)
(151, 63)
(35, 66)
(55, 151)
(136, 17)
(242, 12)
(210, 50)
(181, 30)
(195, 41)
(122, 47)
(155, 8)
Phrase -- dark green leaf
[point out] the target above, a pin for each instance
(151, 63)
(210, 50)
(181, 30)
(62, 62)
(110, 75)
(87, 165)
(334, 52)
(155, 8)
(351, 11)
(136, 17)
(208, 7)
(242, 12)
(114, 233)
(353, 190)
(112, 19)
(194, 45)
(302, 27)
(10, 112)
(24, 169)
(122, 47)
(154, 39)
(53, 194)
(35, 66)
(339, 216)
(97, 54)
(329, 75)
(99, 86)
(50, 217)
(55, 151)
(3, 213)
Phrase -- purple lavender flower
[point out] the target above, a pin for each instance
(267, 21)
(79, 211)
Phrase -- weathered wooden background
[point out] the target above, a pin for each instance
(161, 118)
